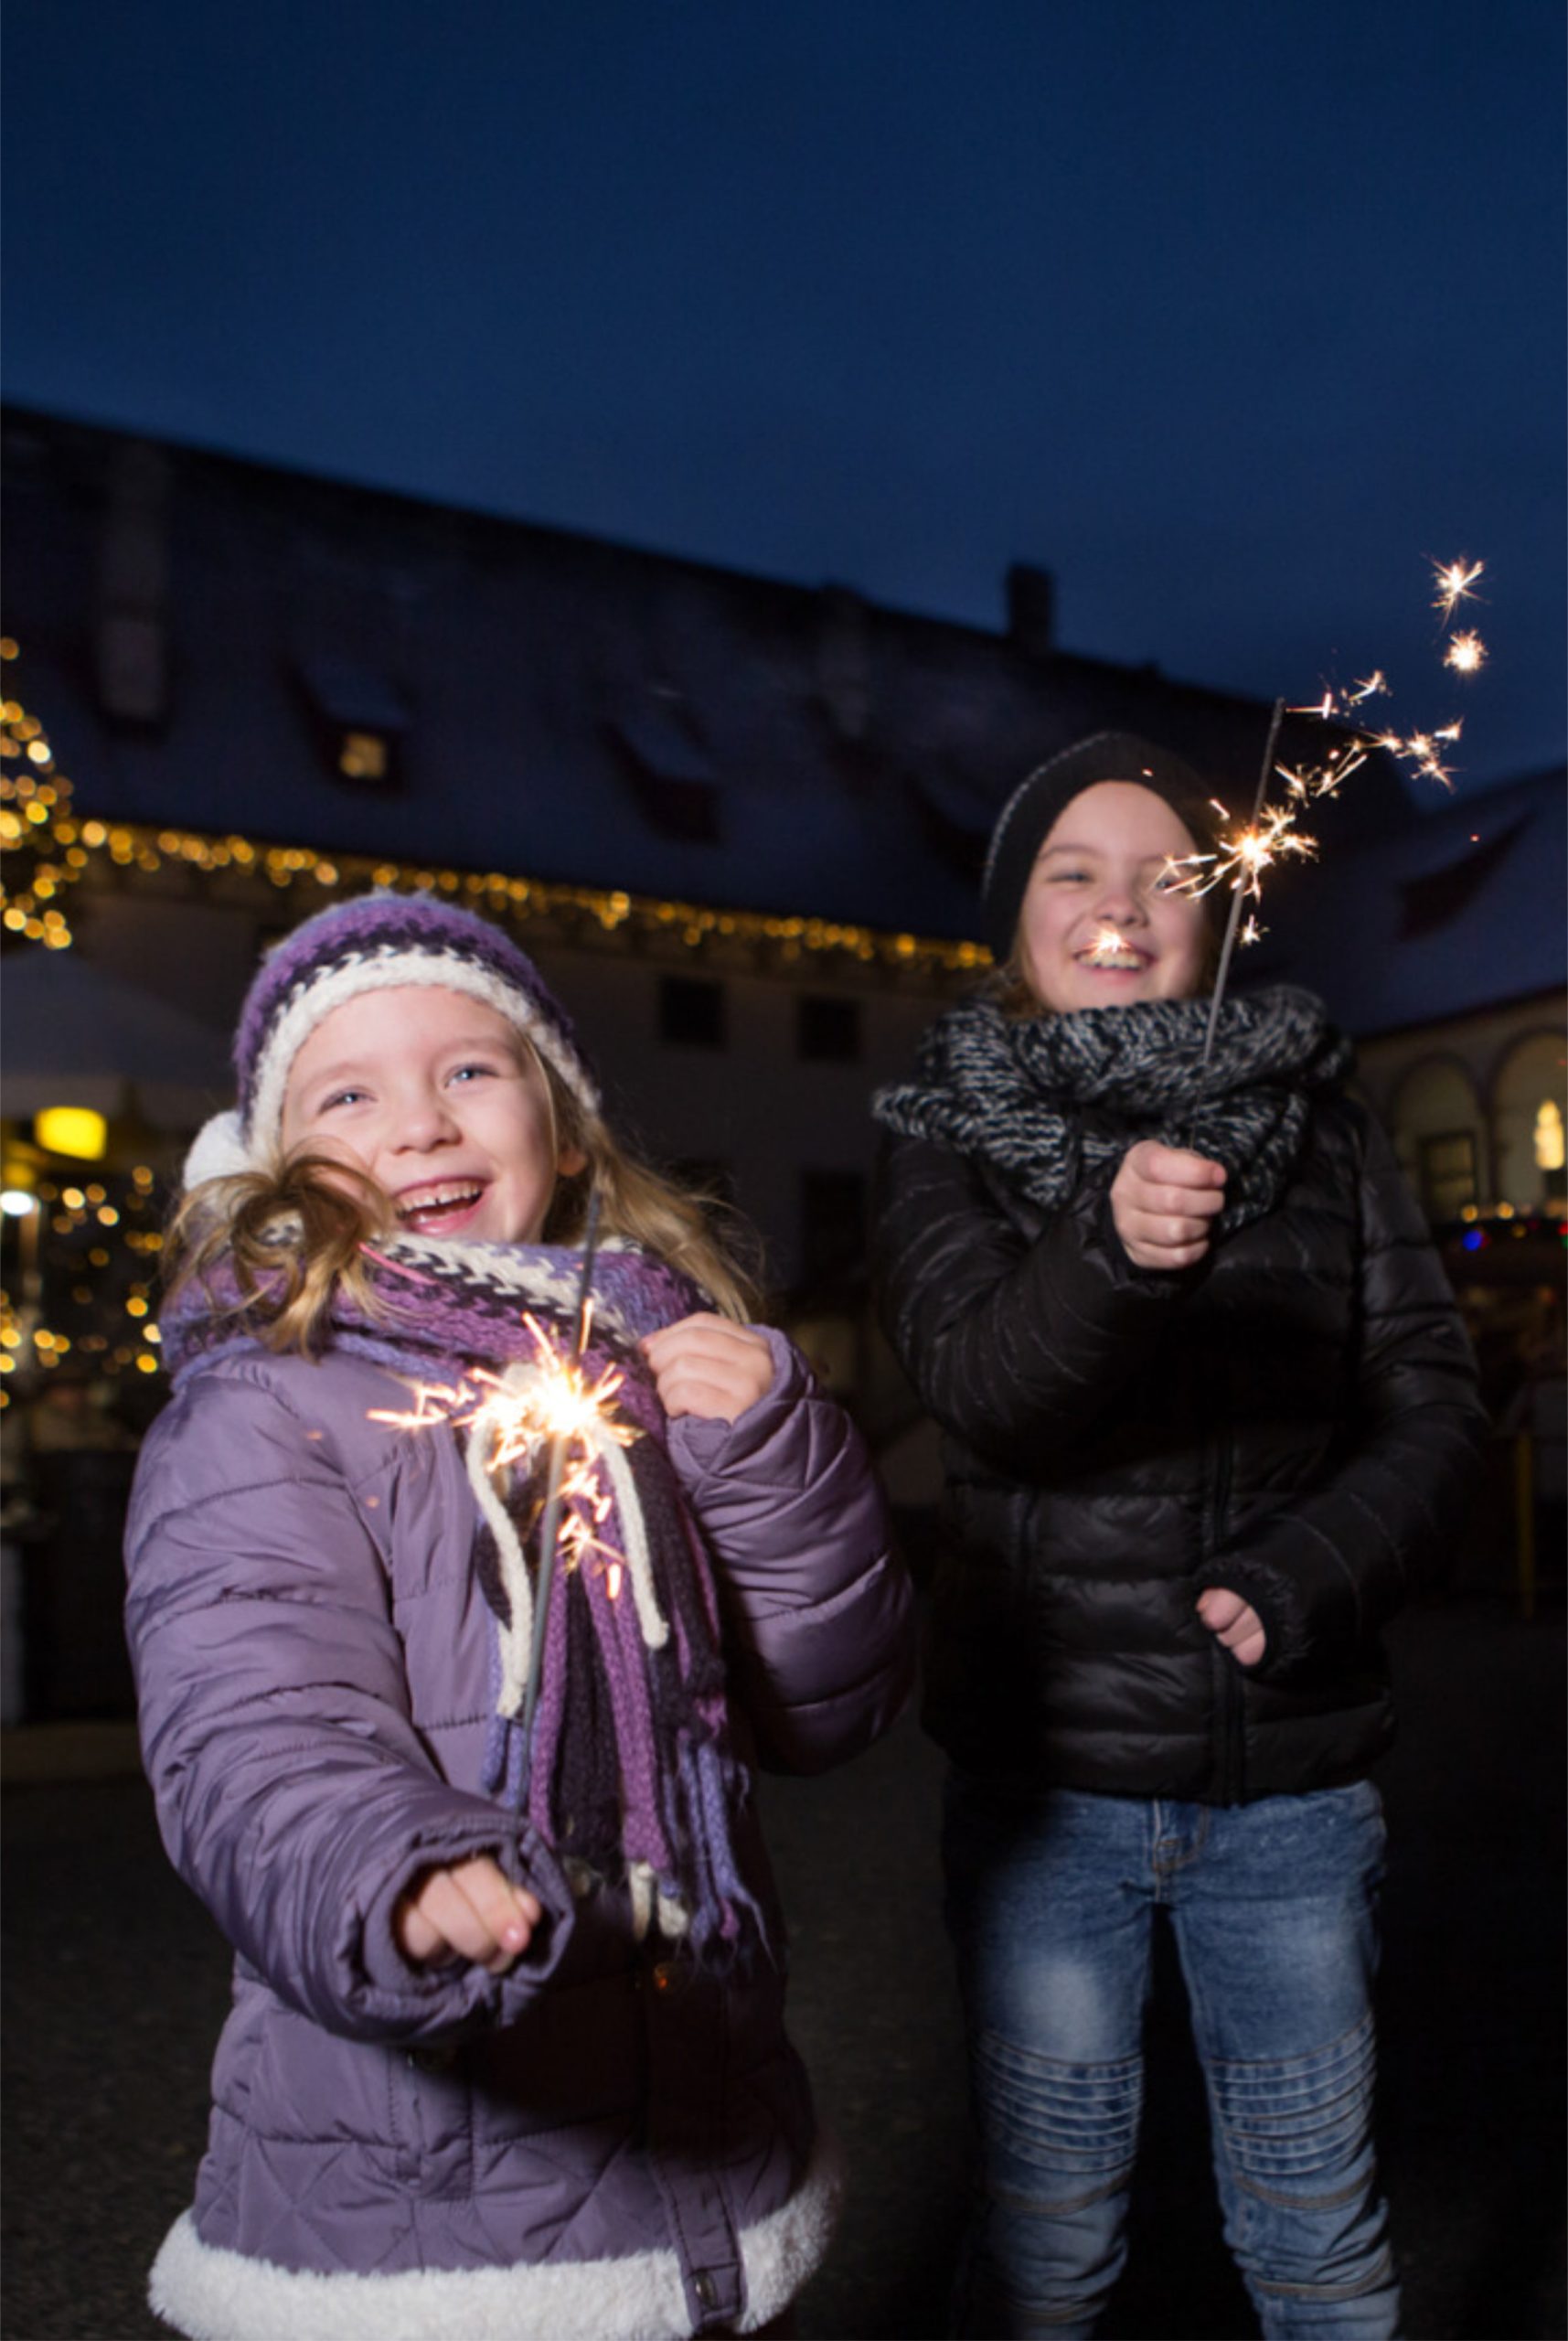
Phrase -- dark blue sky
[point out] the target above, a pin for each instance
(1232, 313)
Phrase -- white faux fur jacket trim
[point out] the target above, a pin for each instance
(211, 2294)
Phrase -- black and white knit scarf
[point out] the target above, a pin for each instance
(1052, 1102)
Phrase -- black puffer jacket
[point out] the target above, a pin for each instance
(1296, 1419)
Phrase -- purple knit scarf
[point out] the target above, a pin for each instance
(634, 1779)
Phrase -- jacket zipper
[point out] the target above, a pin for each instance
(1231, 1754)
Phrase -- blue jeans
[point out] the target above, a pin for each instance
(1050, 1902)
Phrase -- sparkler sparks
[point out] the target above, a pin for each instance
(1242, 855)
(1454, 580)
(1424, 749)
(536, 1401)
(1244, 851)
(1466, 653)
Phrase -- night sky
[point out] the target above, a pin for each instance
(1234, 314)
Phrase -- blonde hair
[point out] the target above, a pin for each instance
(295, 1234)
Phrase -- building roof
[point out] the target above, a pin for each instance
(538, 703)
(210, 643)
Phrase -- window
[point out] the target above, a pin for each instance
(826, 1030)
(1529, 1110)
(691, 1012)
(664, 761)
(832, 1225)
(1447, 1173)
(363, 756)
(1441, 1134)
(358, 719)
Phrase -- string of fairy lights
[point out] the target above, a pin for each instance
(53, 846)
(35, 826)
(105, 1225)
(110, 1242)
(105, 1230)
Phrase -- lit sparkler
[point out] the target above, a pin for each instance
(570, 1409)
(554, 1400)
(1244, 851)
(1244, 855)
(546, 1402)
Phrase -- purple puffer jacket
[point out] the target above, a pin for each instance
(603, 2142)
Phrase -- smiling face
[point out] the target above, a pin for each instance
(441, 1101)
(1100, 924)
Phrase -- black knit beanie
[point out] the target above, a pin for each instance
(1029, 814)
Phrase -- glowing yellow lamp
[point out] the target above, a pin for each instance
(75, 1130)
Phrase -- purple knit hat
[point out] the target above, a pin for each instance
(373, 942)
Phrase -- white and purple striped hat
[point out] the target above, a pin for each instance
(373, 942)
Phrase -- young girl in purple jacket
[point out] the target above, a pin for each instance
(507, 2052)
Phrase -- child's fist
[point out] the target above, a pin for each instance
(469, 1909)
(1162, 1201)
(1235, 1622)
(710, 1366)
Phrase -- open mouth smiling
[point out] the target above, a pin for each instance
(1118, 958)
(423, 1207)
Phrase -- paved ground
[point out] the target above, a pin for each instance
(115, 1984)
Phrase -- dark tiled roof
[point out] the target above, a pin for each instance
(554, 706)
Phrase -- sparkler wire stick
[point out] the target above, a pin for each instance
(1238, 893)
(549, 1521)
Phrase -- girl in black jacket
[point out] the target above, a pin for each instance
(1208, 1411)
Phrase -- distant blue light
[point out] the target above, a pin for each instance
(1472, 1239)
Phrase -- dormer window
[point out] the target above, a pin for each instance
(664, 761)
(363, 756)
(359, 720)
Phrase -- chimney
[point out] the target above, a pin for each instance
(1031, 610)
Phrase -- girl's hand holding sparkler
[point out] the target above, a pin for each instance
(1162, 1201)
(710, 1366)
(1235, 1622)
(471, 1910)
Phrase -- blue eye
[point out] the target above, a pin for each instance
(471, 1072)
(340, 1097)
